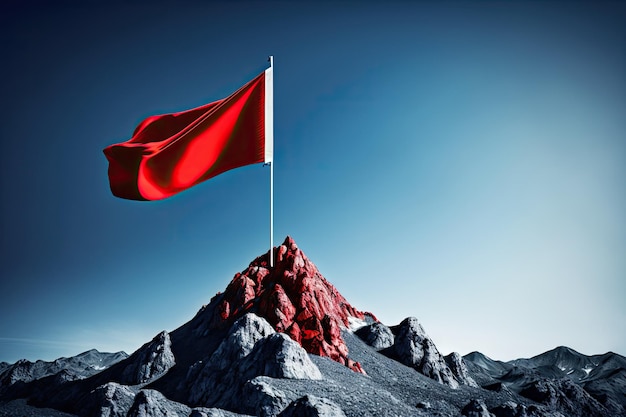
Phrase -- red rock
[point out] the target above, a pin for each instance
(294, 298)
(224, 310)
(294, 332)
(355, 366)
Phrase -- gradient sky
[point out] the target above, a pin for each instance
(459, 162)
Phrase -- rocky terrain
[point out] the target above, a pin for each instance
(283, 341)
(561, 378)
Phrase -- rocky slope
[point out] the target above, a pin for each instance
(283, 341)
(81, 366)
(562, 378)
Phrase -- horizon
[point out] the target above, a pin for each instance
(276, 246)
(461, 163)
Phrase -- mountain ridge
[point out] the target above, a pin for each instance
(601, 376)
(283, 341)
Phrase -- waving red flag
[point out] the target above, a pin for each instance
(172, 152)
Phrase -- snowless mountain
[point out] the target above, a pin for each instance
(283, 341)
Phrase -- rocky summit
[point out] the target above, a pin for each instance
(294, 298)
(282, 341)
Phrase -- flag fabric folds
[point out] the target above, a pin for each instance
(170, 153)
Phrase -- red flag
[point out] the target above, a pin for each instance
(172, 152)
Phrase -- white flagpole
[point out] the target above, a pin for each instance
(269, 140)
(272, 214)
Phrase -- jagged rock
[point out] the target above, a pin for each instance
(110, 400)
(414, 348)
(150, 362)
(476, 408)
(377, 335)
(564, 395)
(293, 297)
(151, 403)
(220, 381)
(241, 339)
(264, 399)
(239, 342)
(459, 370)
(312, 406)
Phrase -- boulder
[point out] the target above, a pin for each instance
(242, 337)
(377, 335)
(110, 400)
(476, 408)
(280, 357)
(312, 406)
(151, 403)
(263, 399)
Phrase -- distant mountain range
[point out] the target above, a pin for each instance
(283, 341)
(562, 378)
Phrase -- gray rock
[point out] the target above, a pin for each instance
(220, 381)
(312, 406)
(423, 405)
(213, 412)
(111, 400)
(377, 335)
(508, 409)
(150, 362)
(459, 369)
(564, 395)
(279, 356)
(512, 409)
(241, 338)
(264, 399)
(414, 348)
(151, 403)
(476, 408)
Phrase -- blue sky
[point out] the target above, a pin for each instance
(460, 162)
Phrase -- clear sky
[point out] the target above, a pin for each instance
(459, 162)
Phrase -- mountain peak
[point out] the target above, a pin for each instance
(294, 298)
